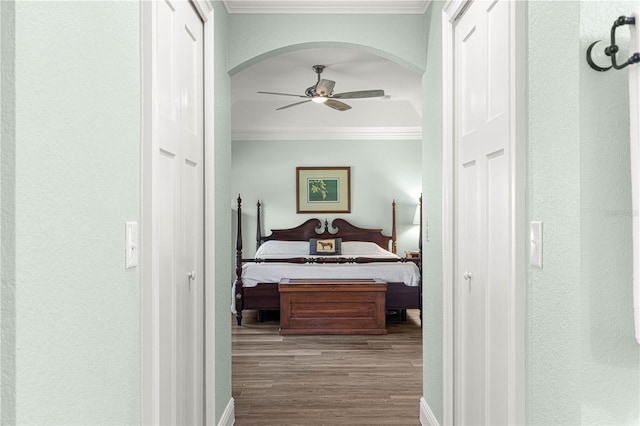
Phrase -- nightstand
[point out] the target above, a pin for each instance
(412, 256)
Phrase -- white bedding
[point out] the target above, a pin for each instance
(407, 273)
(254, 273)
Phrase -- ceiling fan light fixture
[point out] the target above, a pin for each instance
(322, 93)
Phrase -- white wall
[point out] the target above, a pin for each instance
(381, 171)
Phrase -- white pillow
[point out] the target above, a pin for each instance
(363, 248)
(283, 248)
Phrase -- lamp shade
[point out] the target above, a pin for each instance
(416, 216)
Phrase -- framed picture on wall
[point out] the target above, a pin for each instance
(323, 189)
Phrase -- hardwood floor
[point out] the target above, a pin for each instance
(326, 380)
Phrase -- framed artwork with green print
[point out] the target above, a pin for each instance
(323, 189)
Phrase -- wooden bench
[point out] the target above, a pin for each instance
(332, 306)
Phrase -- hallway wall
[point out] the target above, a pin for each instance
(7, 213)
(580, 305)
(610, 356)
(71, 306)
(432, 359)
(222, 214)
(553, 292)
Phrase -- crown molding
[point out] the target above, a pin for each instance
(388, 7)
(323, 133)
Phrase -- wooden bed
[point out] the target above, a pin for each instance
(265, 296)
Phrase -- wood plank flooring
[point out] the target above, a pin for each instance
(326, 380)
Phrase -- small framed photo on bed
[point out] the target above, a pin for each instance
(323, 189)
(327, 246)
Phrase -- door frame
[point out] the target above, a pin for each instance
(517, 188)
(148, 217)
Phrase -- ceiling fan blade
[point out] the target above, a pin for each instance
(283, 94)
(360, 94)
(325, 87)
(340, 106)
(290, 105)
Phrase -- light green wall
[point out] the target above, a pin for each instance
(583, 362)
(580, 310)
(432, 209)
(381, 171)
(610, 356)
(553, 293)
(222, 172)
(7, 214)
(77, 109)
(400, 38)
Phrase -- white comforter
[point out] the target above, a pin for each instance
(254, 273)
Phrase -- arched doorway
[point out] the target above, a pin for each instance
(380, 138)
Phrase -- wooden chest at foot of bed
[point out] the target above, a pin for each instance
(332, 306)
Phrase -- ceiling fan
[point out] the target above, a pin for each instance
(322, 92)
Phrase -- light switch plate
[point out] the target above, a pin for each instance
(131, 245)
(535, 252)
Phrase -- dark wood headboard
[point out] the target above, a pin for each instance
(313, 228)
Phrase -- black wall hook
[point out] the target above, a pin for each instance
(613, 49)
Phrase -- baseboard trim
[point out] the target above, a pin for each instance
(427, 418)
(228, 416)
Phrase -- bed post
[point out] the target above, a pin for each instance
(239, 288)
(258, 231)
(393, 227)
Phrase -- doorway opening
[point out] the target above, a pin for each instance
(383, 150)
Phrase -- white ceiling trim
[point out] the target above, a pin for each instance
(323, 133)
(328, 6)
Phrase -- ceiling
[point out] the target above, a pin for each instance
(396, 116)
